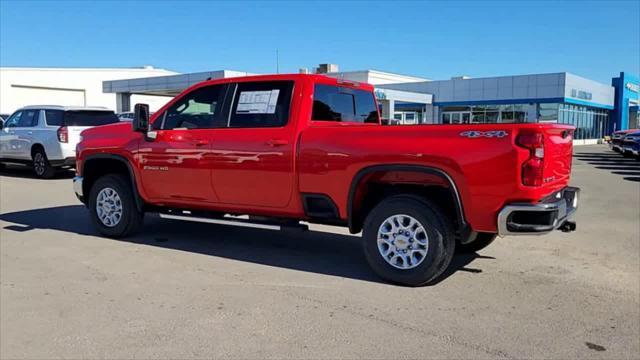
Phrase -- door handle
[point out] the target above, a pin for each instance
(277, 142)
(200, 142)
(30, 132)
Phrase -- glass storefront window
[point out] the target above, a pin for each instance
(492, 116)
(478, 117)
(590, 123)
(548, 112)
(519, 113)
(506, 113)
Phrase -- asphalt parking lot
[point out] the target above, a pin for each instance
(184, 290)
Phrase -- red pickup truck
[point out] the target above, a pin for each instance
(289, 148)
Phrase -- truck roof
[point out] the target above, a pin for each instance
(314, 77)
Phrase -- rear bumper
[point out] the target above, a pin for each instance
(633, 149)
(539, 218)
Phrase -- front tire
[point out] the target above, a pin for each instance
(113, 208)
(408, 240)
(41, 166)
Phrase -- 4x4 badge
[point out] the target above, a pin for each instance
(486, 134)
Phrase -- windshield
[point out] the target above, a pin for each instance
(89, 118)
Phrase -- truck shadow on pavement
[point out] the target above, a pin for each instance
(311, 251)
(614, 162)
(26, 172)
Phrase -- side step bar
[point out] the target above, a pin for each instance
(238, 222)
(255, 222)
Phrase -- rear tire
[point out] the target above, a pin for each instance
(41, 166)
(113, 207)
(482, 241)
(396, 234)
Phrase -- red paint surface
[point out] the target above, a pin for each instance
(263, 171)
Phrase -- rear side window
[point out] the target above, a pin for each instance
(261, 104)
(54, 117)
(334, 103)
(89, 118)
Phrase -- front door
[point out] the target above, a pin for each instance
(8, 137)
(253, 160)
(24, 133)
(174, 161)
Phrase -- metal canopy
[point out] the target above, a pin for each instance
(170, 85)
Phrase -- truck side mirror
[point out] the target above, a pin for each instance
(140, 121)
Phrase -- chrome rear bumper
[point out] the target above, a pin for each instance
(539, 218)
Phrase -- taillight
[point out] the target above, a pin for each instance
(63, 134)
(532, 168)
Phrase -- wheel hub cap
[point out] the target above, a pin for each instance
(38, 162)
(109, 207)
(402, 241)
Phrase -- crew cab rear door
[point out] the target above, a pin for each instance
(253, 156)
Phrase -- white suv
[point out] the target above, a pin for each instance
(46, 136)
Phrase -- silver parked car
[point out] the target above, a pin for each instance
(45, 136)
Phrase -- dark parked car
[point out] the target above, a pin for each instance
(616, 139)
(631, 144)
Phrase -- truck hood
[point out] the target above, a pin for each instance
(111, 130)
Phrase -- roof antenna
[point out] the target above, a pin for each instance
(277, 62)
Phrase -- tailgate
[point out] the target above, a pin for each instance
(558, 152)
(74, 133)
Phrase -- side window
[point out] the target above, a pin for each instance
(261, 104)
(13, 120)
(199, 109)
(53, 117)
(334, 103)
(29, 118)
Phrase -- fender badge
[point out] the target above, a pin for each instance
(156, 168)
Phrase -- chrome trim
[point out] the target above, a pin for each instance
(220, 222)
(564, 211)
(77, 186)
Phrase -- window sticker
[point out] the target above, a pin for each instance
(258, 102)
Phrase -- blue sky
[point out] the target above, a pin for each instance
(431, 39)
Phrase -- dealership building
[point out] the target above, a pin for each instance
(594, 108)
(558, 97)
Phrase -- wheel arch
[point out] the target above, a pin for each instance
(111, 163)
(36, 146)
(355, 214)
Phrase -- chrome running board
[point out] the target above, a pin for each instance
(221, 221)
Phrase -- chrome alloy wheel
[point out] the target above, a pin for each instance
(109, 207)
(402, 241)
(39, 163)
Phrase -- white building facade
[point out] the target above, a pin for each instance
(21, 86)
